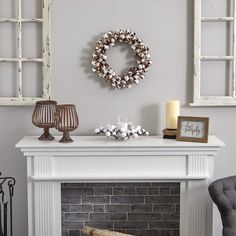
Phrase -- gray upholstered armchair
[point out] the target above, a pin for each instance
(223, 193)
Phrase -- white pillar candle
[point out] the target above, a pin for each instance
(172, 113)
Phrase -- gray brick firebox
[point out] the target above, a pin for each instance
(142, 209)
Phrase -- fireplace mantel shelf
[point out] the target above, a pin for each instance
(98, 159)
(100, 141)
(103, 146)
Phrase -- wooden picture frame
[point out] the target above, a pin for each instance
(192, 129)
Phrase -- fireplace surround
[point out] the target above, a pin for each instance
(98, 160)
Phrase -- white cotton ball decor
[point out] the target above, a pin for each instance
(121, 133)
(135, 73)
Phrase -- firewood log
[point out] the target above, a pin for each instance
(89, 231)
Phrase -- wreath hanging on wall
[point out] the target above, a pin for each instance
(135, 73)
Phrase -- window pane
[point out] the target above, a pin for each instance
(32, 40)
(217, 39)
(32, 79)
(8, 79)
(7, 8)
(32, 8)
(216, 77)
(216, 8)
(8, 40)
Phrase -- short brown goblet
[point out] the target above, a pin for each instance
(43, 117)
(66, 120)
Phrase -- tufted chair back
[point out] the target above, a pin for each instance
(223, 193)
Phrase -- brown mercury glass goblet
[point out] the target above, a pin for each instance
(66, 120)
(43, 117)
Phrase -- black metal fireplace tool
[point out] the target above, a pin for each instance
(6, 196)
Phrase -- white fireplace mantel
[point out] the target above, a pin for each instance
(97, 159)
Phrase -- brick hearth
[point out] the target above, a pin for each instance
(143, 209)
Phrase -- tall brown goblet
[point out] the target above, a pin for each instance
(43, 117)
(66, 120)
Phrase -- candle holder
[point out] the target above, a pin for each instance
(169, 133)
(66, 120)
(43, 117)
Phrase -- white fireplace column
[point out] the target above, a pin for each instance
(97, 159)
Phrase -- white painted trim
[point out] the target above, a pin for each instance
(195, 194)
(217, 19)
(216, 58)
(46, 49)
(231, 46)
(19, 49)
(132, 178)
(215, 101)
(24, 20)
(30, 193)
(22, 59)
(234, 50)
(43, 197)
(197, 50)
(56, 224)
(183, 208)
(6, 101)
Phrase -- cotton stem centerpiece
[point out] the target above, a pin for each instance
(122, 131)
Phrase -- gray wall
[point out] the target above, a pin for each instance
(167, 27)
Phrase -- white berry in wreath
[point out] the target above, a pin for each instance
(135, 73)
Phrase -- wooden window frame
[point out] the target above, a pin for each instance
(199, 100)
(45, 60)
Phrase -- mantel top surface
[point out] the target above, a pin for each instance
(100, 141)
